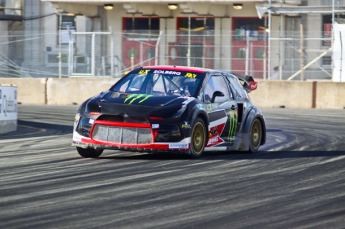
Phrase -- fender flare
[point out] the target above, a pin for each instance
(252, 114)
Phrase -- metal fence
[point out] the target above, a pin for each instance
(110, 54)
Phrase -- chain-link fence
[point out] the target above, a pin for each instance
(112, 54)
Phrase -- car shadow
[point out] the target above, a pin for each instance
(27, 129)
(261, 155)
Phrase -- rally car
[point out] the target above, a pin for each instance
(171, 109)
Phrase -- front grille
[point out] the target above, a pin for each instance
(122, 135)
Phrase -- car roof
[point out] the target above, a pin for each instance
(179, 68)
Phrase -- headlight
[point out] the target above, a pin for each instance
(84, 126)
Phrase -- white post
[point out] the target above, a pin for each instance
(60, 27)
(280, 43)
(188, 49)
(247, 52)
(269, 39)
(157, 47)
(111, 52)
(93, 55)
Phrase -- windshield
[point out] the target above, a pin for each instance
(159, 82)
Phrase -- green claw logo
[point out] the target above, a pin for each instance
(135, 97)
(233, 125)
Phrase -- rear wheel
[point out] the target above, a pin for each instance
(89, 152)
(198, 138)
(255, 136)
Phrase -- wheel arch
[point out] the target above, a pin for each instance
(251, 115)
(198, 113)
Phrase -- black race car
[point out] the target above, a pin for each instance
(171, 108)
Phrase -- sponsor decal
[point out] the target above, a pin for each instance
(91, 121)
(214, 135)
(167, 72)
(133, 97)
(253, 85)
(200, 106)
(143, 72)
(232, 125)
(178, 145)
(213, 140)
(209, 108)
(77, 117)
(155, 126)
(191, 75)
(186, 125)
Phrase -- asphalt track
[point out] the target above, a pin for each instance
(297, 180)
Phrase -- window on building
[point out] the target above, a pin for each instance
(66, 24)
(201, 27)
(327, 28)
(141, 27)
(326, 60)
(330, 2)
(255, 26)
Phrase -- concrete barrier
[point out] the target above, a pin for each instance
(330, 95)
(30, 90)
(291, 94)
(8, 108)
(270, 93)
(75, 90)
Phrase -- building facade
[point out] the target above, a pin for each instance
(108, 38)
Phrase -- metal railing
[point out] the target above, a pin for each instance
(110, 54)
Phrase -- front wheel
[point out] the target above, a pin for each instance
(198, 138)
(89, 152)
(255, 136)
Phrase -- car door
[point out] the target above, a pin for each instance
(222, 111)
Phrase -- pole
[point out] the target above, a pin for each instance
(280, 43)
(111, 51)
(332, 23)
(265, 52)
(60, 57)
(188, 49)
(341, 57)
(301, 52)
(157, 47)
(269, 38)
(93, 55)
(247, 52)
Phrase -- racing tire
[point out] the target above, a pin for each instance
(198, 138)
(89, 152)
(255, 136)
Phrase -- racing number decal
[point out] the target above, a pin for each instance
(191, 75)
(233, 125)
(143, 72)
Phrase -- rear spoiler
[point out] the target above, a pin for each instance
(248, 82)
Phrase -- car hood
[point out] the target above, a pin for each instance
(140, 105)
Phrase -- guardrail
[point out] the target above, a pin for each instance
(8, 108)
(270, 93)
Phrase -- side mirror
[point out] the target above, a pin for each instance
(216, 94)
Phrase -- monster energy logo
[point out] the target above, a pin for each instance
(233, 125)
(135, 97)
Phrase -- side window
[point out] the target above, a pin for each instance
(237, 87)
(217, 83)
